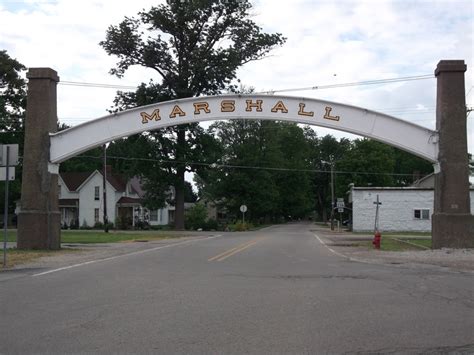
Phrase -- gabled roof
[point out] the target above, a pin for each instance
(74, 180)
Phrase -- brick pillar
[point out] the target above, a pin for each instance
(39, 221)
(452, 222)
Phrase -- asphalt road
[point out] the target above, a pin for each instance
(277, 290)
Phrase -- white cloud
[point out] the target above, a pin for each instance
(328, 42)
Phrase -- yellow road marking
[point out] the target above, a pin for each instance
(233, 251)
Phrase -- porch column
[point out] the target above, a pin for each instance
(452, 222)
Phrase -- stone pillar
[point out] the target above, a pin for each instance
(452, 222)
(39, 221)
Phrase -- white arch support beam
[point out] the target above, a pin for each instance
(393, 131)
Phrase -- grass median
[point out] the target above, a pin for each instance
(17, 257)
(400, 243)
(95, 236)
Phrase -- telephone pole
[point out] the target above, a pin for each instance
(104, 187)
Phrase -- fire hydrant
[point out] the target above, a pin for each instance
(377, 240)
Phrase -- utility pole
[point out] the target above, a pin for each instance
(332, 192)
(104, 187)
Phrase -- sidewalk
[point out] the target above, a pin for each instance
(345, 243)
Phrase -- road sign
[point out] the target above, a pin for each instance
(13, 156)
(340, 203)
(243, 208)
(340, 209)
(3, 173)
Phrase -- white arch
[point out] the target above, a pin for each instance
(393, 131)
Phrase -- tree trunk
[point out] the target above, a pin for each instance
(322, 210)
(179, 187)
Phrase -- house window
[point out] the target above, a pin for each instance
(421, 213)
(97, 193)
(161, 215)
(96, 215)
(153, 215)
(59, 190)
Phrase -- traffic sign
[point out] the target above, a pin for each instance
(243, 208)
(340, 203)
(3, 173)
(13, 156)
(340, 209)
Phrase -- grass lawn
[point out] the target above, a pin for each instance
(402, 244)
(93, 236)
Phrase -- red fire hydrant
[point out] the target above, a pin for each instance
(377, 240)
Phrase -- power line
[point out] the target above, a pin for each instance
(98, 85)
(357, 83)
(315, 87)
(217, 165)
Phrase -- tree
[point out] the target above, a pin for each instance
(12, 114)
(324, 152)
(264, 166)
(195, 47)
(367, 163)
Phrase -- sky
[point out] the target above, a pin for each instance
(328, 42)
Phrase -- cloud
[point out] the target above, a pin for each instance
(328, 42)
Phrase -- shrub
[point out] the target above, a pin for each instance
(98, 225)
(211, 224)
(240, 227)
(195, 217)
(85, 225)
(74, 224)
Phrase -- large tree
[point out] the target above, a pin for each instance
(195, 47)
(263, 165)
(12, 114)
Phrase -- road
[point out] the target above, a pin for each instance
(274, 291)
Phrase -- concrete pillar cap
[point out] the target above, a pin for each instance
(450, 66)
(42, 73)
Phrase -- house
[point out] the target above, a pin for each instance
(406, 209)
(81, 200)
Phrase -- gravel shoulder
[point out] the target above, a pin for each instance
(346, 243)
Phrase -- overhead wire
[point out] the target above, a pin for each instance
(231, 166)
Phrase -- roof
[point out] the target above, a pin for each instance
(129, 200)
(117, 181)
(68, 202)
(74, 180)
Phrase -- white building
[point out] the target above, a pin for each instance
(402, 209)
(81, 200)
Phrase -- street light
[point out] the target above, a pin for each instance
(331, 163)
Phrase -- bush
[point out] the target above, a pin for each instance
(195, 217)
(240, 227)
(74, 224)
(211, 224)
(85, 225)
(142, 225)
(98, 225)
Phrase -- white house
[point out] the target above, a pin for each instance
(402, 209)
(81, 200)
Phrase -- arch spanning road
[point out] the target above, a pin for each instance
(393, 131)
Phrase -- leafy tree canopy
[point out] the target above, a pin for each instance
(195, 48)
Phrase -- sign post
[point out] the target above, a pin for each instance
(8, 156)
(340, 207)
(243, 209)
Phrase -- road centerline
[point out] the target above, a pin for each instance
(234, 250)
(123, 255)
